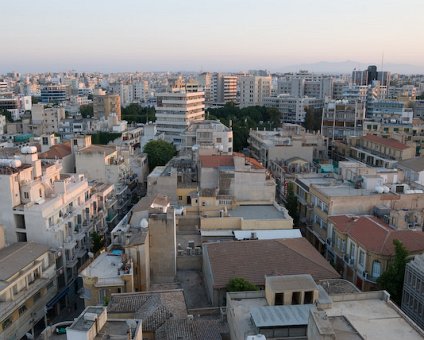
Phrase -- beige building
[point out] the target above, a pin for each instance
(280, 145)
(361, 247)
(295, 307)
(176, 109)
(223, 89)
(253, 90)
(49, 117)
(106, 105)
(111, 272)
(375, 150)
(94, 323)
(27, 283)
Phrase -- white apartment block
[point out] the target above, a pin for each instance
(292, 109)
(253, 90)
(209, 137)
(175, 111)
(58, 210)
(140, 91)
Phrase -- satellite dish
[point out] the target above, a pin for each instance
(144, 223)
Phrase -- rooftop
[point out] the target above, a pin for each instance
(154, 308)
(376, 236)
(389, 142)
(415, 164)
(257, 212)
(57, 151)
(107, 266)
(17, 256)
(254, 259)
(82, 323)
(273, 316)
(106, 149)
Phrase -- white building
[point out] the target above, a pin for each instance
(253, 90)
(175, 110)
(209, 136)
(48, 117)
(223, 89)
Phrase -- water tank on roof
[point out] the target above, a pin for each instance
(386, 189)
(379, 189)
(256, 337)
(13, 163)
(29, 149)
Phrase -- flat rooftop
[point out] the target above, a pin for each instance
(106, 266)
(280, 316)
(373, 317)
(257, 212)
(82, 324)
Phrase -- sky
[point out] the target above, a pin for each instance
(200, 35)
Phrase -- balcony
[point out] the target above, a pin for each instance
(70, 263)
(80, 252)
(111, 216)
(69, 243)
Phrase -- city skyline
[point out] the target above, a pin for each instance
(193, 36)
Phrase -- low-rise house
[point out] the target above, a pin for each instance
(361, 247)
(252, 260)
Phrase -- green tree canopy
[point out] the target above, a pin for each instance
(86, 110)
(292, 205)
(159, 152)
(242, 120)
(134, 113)
(392, 279)
(97, 242)
(104, 138)
(239, 284)
(7, 114)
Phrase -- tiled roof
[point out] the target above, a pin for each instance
(154, 308)
(390, 142)
(253, 162)
(252, 260)
(106, 149)
(216, 161)
(57, 151)
(192, 330)
(376, 236)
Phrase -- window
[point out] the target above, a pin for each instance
(26, 195)
(22, 310)
(180, 198)
(361, 258)
(376, 269)
(37, 296)
(6, 323)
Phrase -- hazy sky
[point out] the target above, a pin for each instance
(129, 35)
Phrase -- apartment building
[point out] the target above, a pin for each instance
(175, 110)
(49, 117)
(28, 283)
(106, 105)
(293, 109)
(361, 247)
(223, 89)
(254, 89)
(281, 144)
(55, 93)
(413, 290)
(306, 84)
(375, 150)
(341, 119)
(208, 136)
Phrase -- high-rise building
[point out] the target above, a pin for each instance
(54, 93)
(175, 110)
(106, 105)
(369, 75)
(223, 89)
(253, 90)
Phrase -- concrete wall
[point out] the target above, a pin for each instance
(92, 165)
(162, 238)
(189, 262)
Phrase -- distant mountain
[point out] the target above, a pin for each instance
(349, 65)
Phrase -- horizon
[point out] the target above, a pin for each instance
(234, 35)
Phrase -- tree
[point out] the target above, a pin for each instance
(239, 284)
(159, 152)
(313, 119)
(134, 113)
(103, 138)
(7, 114)
(292, 205)
(97, 242)
(392, 279)
(86, 110)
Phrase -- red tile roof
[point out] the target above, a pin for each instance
(252, 260)
(376, 236)
(390, 142)
(57, 151)
(216, 161)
